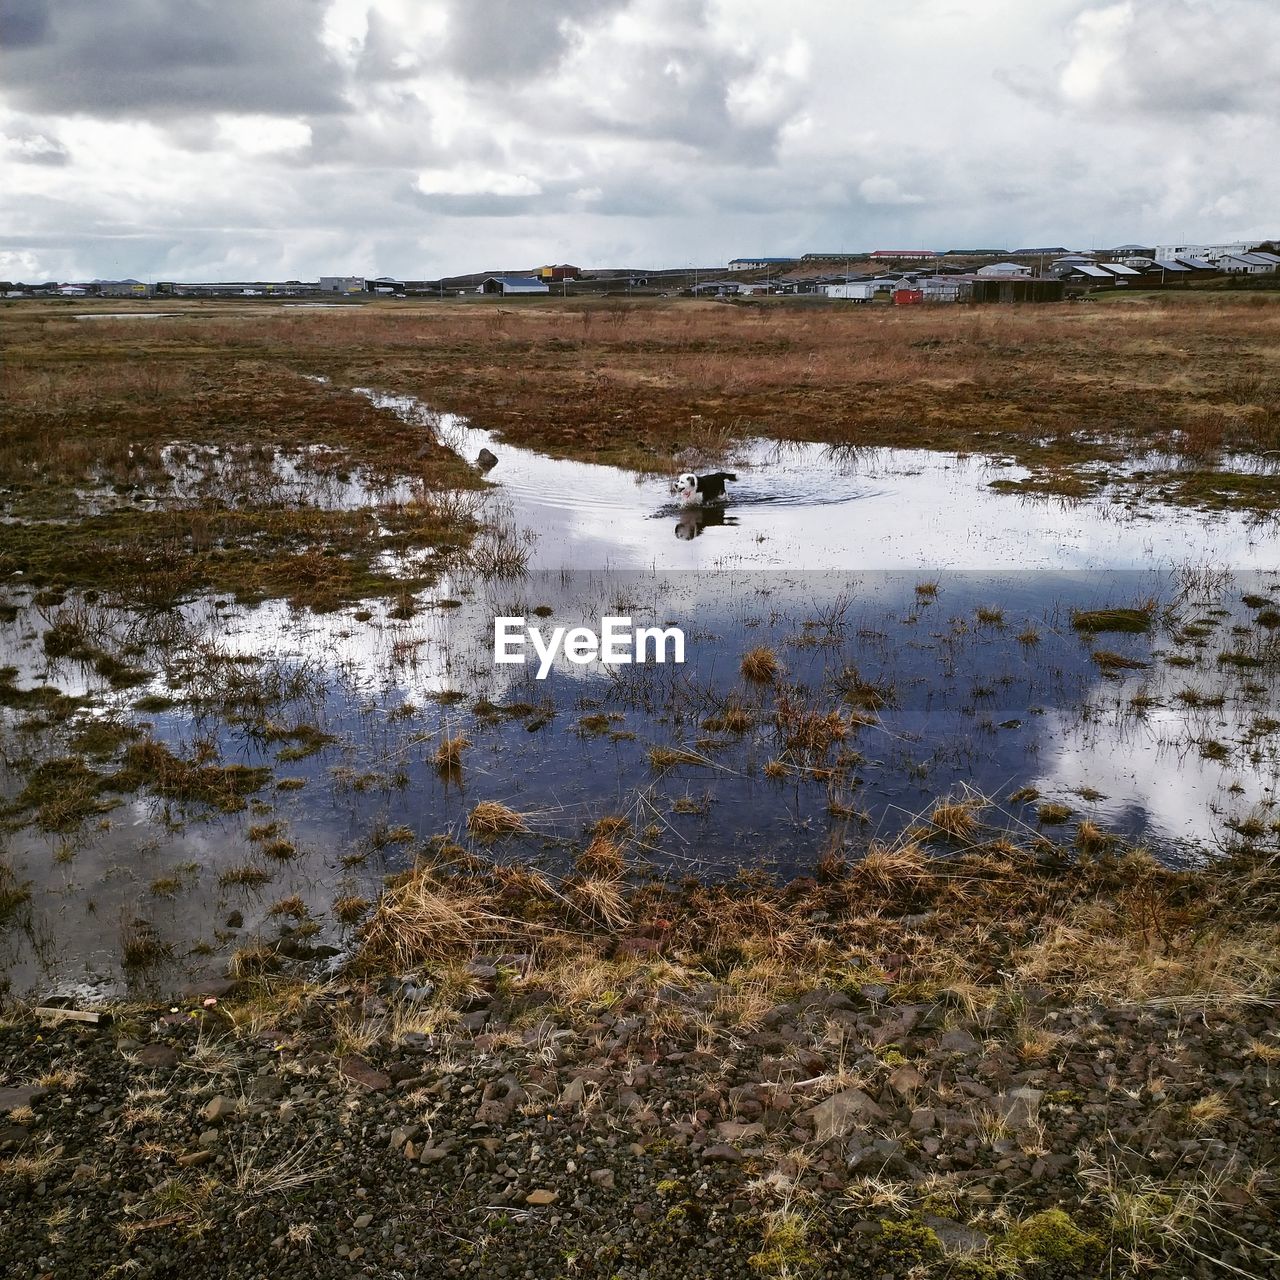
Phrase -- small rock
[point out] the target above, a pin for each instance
(735, 1130)
(218, 1109)
(362, 1221)
(21, 1096)
(541, 1197)
(1020, 1107)
(722, 1151)
(266, 1088)
(194, 1158)
(356, 1069)
(841, 1113)
(157, 1055)
(487, 459)
(603, 1178)
(905, 1080)
(958, 1041)
(923, 1119)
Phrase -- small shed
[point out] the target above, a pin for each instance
(863, 292)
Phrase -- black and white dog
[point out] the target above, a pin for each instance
(709, 488)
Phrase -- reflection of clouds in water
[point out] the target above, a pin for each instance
(1148, 770)
(821, 507)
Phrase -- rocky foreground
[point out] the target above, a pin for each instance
(685, 1132)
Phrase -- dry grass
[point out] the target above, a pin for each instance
(663, 757)
(957, 819)
(422, 916)
(760, 665)
(807, 731)
(350, 908)
(1205, 1112)
(448, 754)
(604, 856)
(490, 820)
(599, 898)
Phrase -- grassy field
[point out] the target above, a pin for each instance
(89, 407)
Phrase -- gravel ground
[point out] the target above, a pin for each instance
(671, 1134)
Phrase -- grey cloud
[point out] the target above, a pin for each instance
(508, 41)
(35, 148)
(148, 58)
(673, 94)
(23, 23)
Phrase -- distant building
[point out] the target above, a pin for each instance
(1008, 270)
(1123, 273)
(716, 287)
(903, 255)
(123, 289)
(1246, 264)
(1209, 252)
(860, 292)
(760, 264)
(561, 271)
(507, 285)
(342, 284)
(1083, 273)
(943, 288)
(1014, 289)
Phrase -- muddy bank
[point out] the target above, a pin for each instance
(746, 1081)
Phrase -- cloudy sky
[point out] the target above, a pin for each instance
(224, 139)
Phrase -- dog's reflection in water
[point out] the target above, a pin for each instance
(692, 521)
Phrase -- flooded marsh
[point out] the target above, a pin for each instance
(247, 665)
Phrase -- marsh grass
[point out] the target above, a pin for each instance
(448, 753)
(1137, 620)
(760, 665)
(491, 820)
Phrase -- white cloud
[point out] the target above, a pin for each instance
(466, 181)
(882, 190)
(445, 135)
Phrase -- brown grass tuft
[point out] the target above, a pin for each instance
(448, 755)
(491, 819)
(602, 857)
(423, 918)
(760, 665)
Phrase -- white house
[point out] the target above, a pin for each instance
(1246, 264)
(1209, 252)
(760, 264)
(1006, 270)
